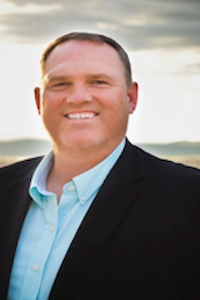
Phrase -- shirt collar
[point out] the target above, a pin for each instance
(87, 183)
(38, 182)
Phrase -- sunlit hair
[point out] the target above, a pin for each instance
(84, 36)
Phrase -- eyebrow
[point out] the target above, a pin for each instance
(53, 78)
(99, 75)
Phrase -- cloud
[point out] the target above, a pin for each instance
(138, 25)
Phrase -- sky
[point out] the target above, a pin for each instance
(162, 39)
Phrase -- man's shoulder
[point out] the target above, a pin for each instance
(20, 168)
(171, 166)
(157, 166)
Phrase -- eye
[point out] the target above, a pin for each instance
(61, 84)
(99, 82)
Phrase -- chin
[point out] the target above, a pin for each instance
(80, 143)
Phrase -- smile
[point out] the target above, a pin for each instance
(78, 116)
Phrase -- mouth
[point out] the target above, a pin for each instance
(81, 116)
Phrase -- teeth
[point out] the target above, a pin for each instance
(81, 116)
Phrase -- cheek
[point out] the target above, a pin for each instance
(120, 106)
(115, 106)
(50, 102)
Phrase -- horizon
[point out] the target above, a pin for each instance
(181, 152)
(40, 139)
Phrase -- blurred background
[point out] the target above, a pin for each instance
(162, 39)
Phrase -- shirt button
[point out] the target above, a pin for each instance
(51, 228)
(35, 267)
(72, 188)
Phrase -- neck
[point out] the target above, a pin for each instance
(68, 164)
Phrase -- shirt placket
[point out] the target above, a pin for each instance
(41, 252)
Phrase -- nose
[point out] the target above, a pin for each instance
(79, 93)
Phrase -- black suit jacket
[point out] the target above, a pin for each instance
(139, 240)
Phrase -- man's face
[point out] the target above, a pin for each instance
(84, 100)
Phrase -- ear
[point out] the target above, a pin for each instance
(133, 96)
(37, 98)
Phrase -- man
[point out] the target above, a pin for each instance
(97, 218)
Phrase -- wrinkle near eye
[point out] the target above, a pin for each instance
(99, 82)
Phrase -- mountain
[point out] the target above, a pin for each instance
(24, 147)
(173, 149)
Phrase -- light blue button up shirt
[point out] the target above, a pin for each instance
(49, 228)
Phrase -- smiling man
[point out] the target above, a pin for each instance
(84, 101)
(96, 218)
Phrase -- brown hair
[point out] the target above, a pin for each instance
(83, 36)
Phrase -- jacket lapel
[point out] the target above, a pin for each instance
(14, 201)
(112, 202)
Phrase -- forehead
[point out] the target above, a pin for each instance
(89, 53)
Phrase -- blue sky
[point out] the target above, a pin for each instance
(163, 42)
